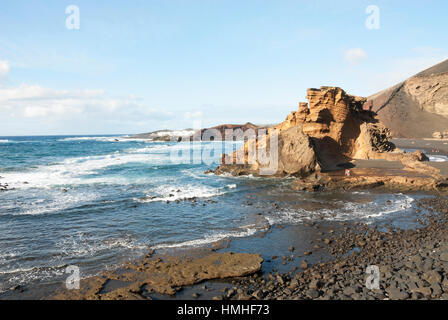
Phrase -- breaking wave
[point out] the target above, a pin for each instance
(344, 211)
(210, 239)
(173, 193)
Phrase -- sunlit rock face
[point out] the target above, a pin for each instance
(325, 133)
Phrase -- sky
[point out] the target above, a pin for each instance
(124, 67)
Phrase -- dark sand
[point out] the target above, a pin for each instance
(377, 164)
(428, 146)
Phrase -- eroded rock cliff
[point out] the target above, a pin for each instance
(322, 135)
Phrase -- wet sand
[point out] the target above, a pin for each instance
(430, 145)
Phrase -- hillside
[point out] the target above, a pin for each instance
(417, 107)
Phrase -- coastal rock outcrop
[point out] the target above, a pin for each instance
(163, 274)
(322, 135)
(373, 178)
(296, 156)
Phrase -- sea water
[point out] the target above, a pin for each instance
(98, 201)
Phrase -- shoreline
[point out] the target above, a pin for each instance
(413, 264)
(331, 265)
(336, 254)
(309, 242)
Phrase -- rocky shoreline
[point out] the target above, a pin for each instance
(413, 264)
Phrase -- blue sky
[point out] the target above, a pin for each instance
(137, 66)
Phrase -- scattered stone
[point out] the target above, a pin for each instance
(397, 294)
(444, 256)
(304, 265)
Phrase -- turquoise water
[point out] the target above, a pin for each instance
(96, 202)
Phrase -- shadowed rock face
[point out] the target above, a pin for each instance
(417, 107)
(330, 131)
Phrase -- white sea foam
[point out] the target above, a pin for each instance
(18, 270)
(75, 171)
(174, 133)
(57, 201)
(209, 239)
(173, 193)
(7, 255)
(102, 139)
(4, 141)
(88, 246)
(26, 275)
(346, 211)
(438, 158)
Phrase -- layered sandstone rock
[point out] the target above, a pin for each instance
(322, 138)
(374, 178)
(322, 135)
(295, 156)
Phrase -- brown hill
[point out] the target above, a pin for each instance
(238, 130)
(417, 107)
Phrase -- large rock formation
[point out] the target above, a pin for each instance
(322, 138)
(324, 135)
(417, 107)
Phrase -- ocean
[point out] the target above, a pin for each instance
(97, 202)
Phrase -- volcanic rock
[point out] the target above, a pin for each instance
(325, 135)
(164, 276)
(320, 140)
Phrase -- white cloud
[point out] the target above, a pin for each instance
(4, 69)
(355, 55)
(193, 115)
(54, 110)
(33, 101)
